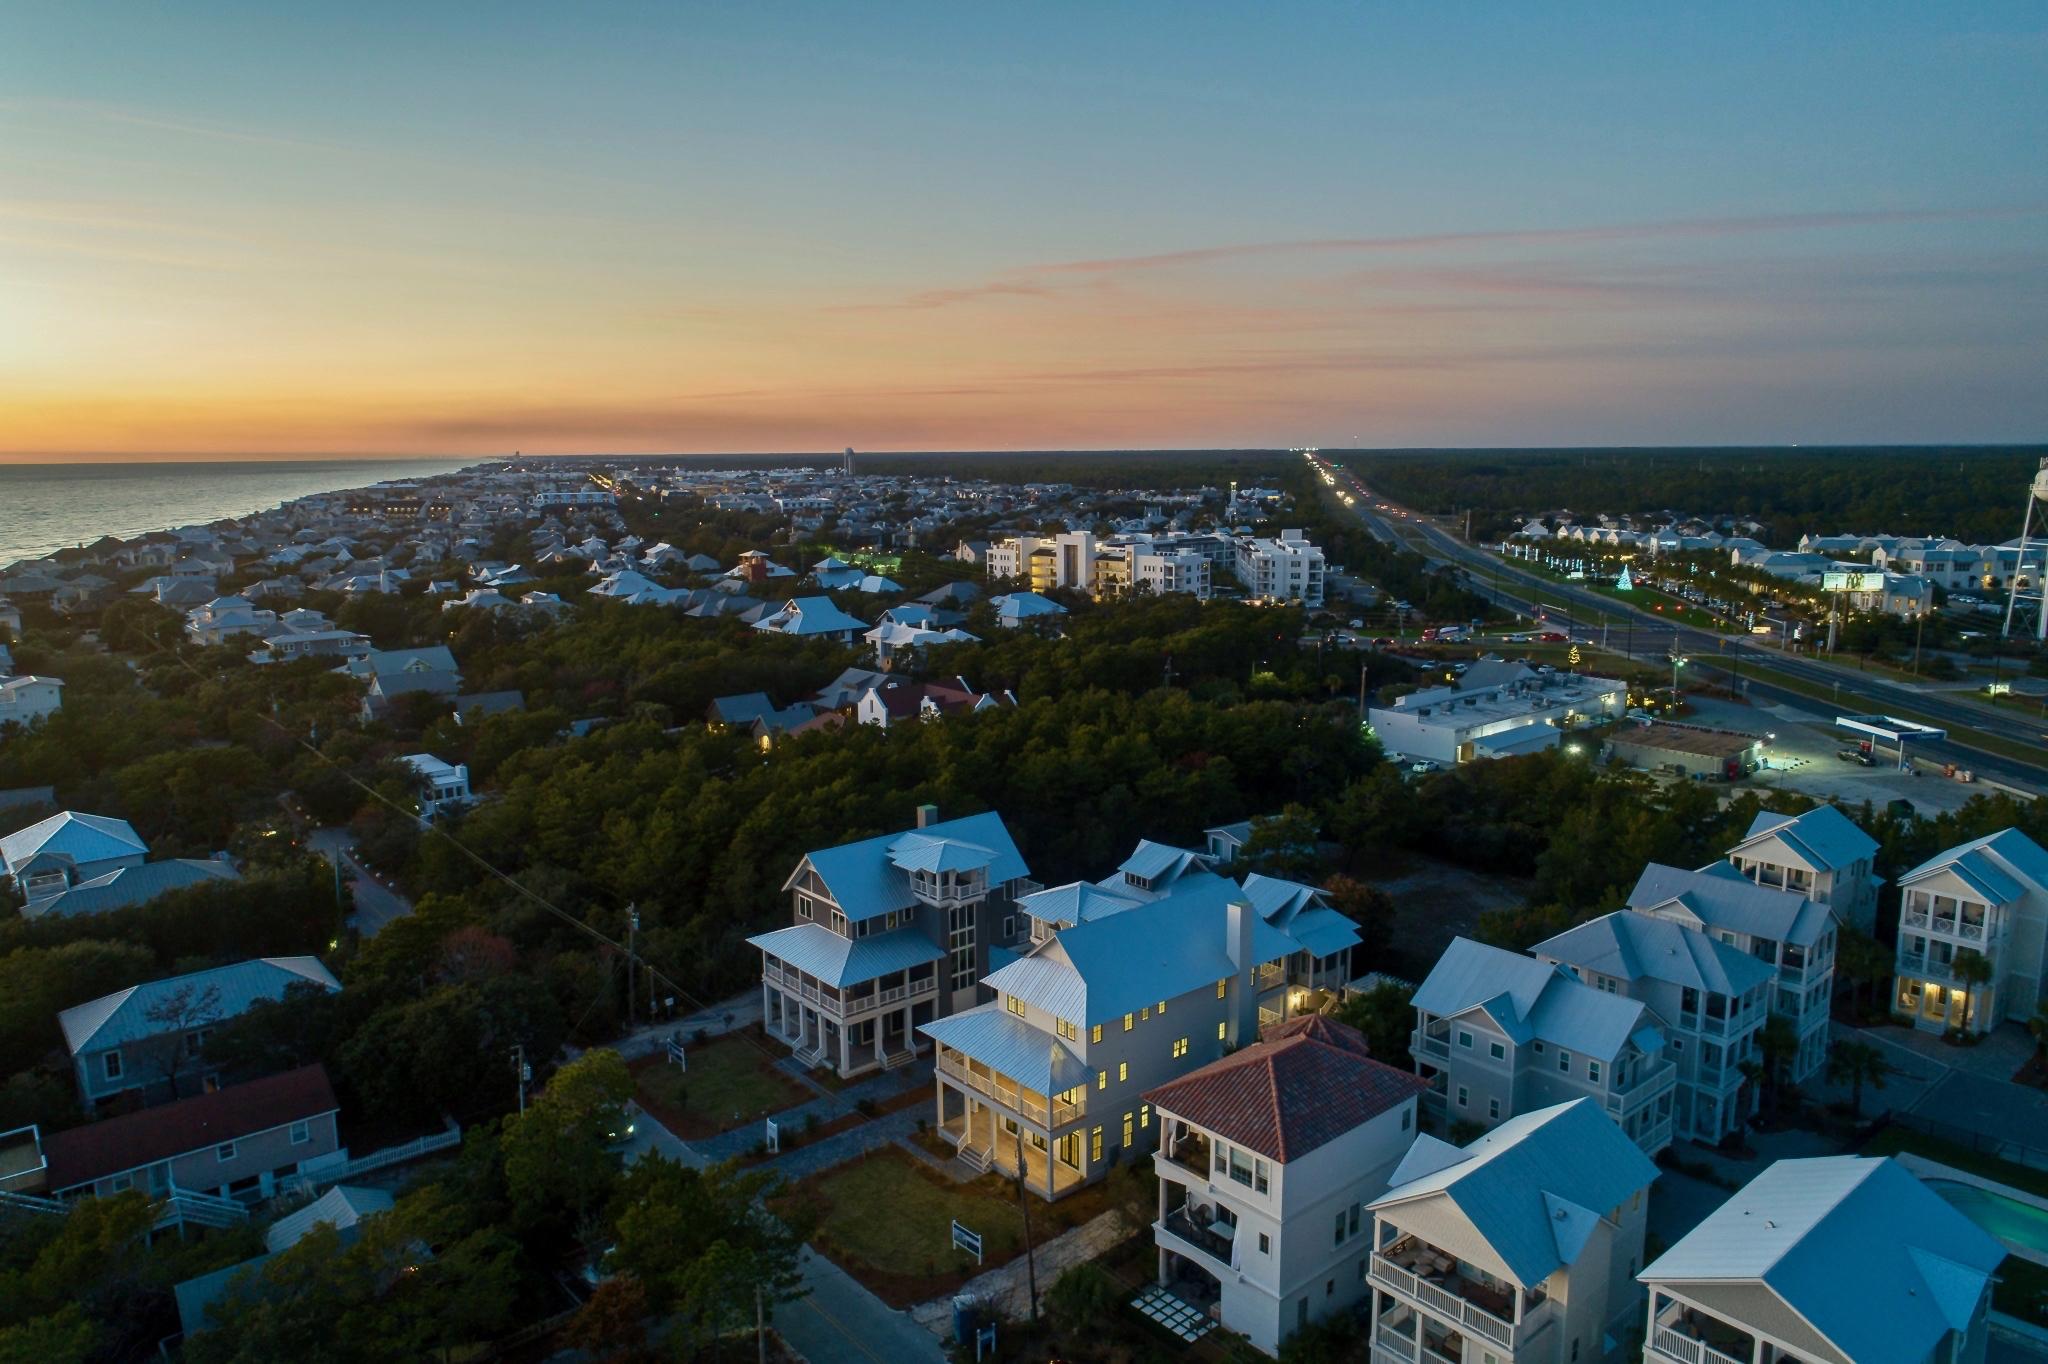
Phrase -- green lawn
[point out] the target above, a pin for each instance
(887, 1220)
(730, 1082)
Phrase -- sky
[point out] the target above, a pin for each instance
(474, 228)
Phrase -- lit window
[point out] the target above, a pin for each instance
(1130, 1135)
(1095, 1144)
(1123, 1071)
(1102, 1079)
(1095, 1033)
(1221, 987)
(1144, 1013)
(1014, 1005)
(1180, 1046)
(1162, 1006)
(1144, 1115)
(1130, 1021)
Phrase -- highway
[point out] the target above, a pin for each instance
(1649, 638)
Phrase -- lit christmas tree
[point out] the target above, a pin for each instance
(1624, 583)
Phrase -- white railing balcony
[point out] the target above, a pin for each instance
(1452, 1306)
(1431, 1046)
(1913, 919)
(1020, 1101)
(1394, 1343)
(1684, 1349)
(1644, 1089)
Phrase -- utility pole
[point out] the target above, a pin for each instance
(1024, 1207)
(632, 967)
(1361, 693)
(522, 1073)
(1919, 628)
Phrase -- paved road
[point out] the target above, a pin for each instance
(1653, 638)
(375, 904)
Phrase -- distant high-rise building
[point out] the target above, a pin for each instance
(846, 465)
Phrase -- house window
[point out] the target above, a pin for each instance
(1498, 1051)
(1130, 1021)
(1222, 1031)
(1355, 1210)
(1068, 1030)
(1144, 1115)
(111, 1063)
(1014, 1005)
(122, 1183)
(302, 1132)
(1259, 1175)
(1462, 1097)
(1265, 1244)
(1464, 1039)
(1221, 986)
(1123, 1071)
(1493, 1109)
(1338, 1239)
(1102, 1079)
(224, 1152)
(1161, 1006)
(1564, 1061)
(1130, 1132)
(1095, 1144)
(1593, 1071)
(1537, 1047)
(1180, 1046)
(1407, 1117)
(803, 906)
(1095, 1033)
(1009, 927)
(1144, 1013)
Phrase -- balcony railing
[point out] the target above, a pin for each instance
(1189, 1154)
(1643, 1090)
(1182, 1227)
(1686, 1350)
(1444, 1303)
(895, 994)
(1021, 1101)
(1431, 1046)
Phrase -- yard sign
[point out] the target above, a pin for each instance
(969, 1241)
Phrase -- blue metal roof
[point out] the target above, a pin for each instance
(1323, 932)
(818, 951)
(82, 838)
(1992, 861)
(863, 881)
(1151, 860)
(1075, 903)
(1533, 1186)
(1530, 999)
(1825, 836)
(1721, 897)
(921, 852)
(743, 709)
(1278, 900)
(1004, 1043)
(1634, 946)
(124, 1015)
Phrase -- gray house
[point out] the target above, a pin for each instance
(152, 1037)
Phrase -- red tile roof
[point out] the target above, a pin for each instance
(133, 1140)
(1307, 1082)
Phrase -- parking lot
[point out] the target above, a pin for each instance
(1801, 757)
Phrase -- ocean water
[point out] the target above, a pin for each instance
(48, 507)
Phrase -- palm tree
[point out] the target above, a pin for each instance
(1854, 1063)
(1972, 969)
(1863, 961)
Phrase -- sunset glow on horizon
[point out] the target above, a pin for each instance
(719, 228)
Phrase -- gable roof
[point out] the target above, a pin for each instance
(1875, 1261)
(810, 616)
(126, 886)
(82, 838)
(1008, 1045)
(122, 1016)
(112, 1146)
(1307, 1082)
(1635, 946)
(1995, 865)
(865, 878)
(1074, 903)
(1534, 1186)
(742, 709)
(1824, 837)
(341, 1207)
(1530, 999)
(1721, 897)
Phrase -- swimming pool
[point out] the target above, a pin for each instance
(2008, 1219)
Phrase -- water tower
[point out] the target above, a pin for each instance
(2035, 590)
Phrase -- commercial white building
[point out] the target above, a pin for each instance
(1454, 725)
(1288, 569)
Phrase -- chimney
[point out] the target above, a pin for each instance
(927, 815)
(1239, 917)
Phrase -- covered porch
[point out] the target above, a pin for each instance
(1003, 1084)
(852, 1004)
(990, 1139)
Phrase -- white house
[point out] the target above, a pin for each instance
(1521, 1248)
(1288, 569)
(1267, 1162)
(443, 787)
(1987, 897)
(1834, 1260)
(812, 618)
(1820, 854)
(29, 698)
(1460, 724)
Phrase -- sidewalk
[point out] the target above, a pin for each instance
(741, 1011)
(1006, 1289)
(826, 1106)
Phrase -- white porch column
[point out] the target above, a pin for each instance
(768, 1024)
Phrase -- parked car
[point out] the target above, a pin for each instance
(1855, 755)
(1552, 637)
(1423, 765)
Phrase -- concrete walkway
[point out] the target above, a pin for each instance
(825, 1104)
(1006, 1289)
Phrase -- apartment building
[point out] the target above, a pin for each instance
(1521, 1248)
(1268, 1159)
(1498, 1034)
(890, 933)
(1820, 854)
(1458, 724)
(1056, 1068)
(1987, 897)
(1835, 1260)
(1711, 998)
(1288, 569)
(1785, 930)
(150, 1037)
(1046, 562)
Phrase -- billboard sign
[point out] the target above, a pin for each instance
(1865, 581)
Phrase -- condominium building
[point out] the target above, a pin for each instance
(1820, 854)
(1521, 1248)
(1987, 897)
(1288, 569)
(1711, 998)
(1835, 1260)
(1046, 562)
(1268, 1159)
(889, 933)
(1785, 930)
(1498, 1034)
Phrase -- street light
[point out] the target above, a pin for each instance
(1677, 662)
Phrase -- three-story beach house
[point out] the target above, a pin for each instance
(1986, 898)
